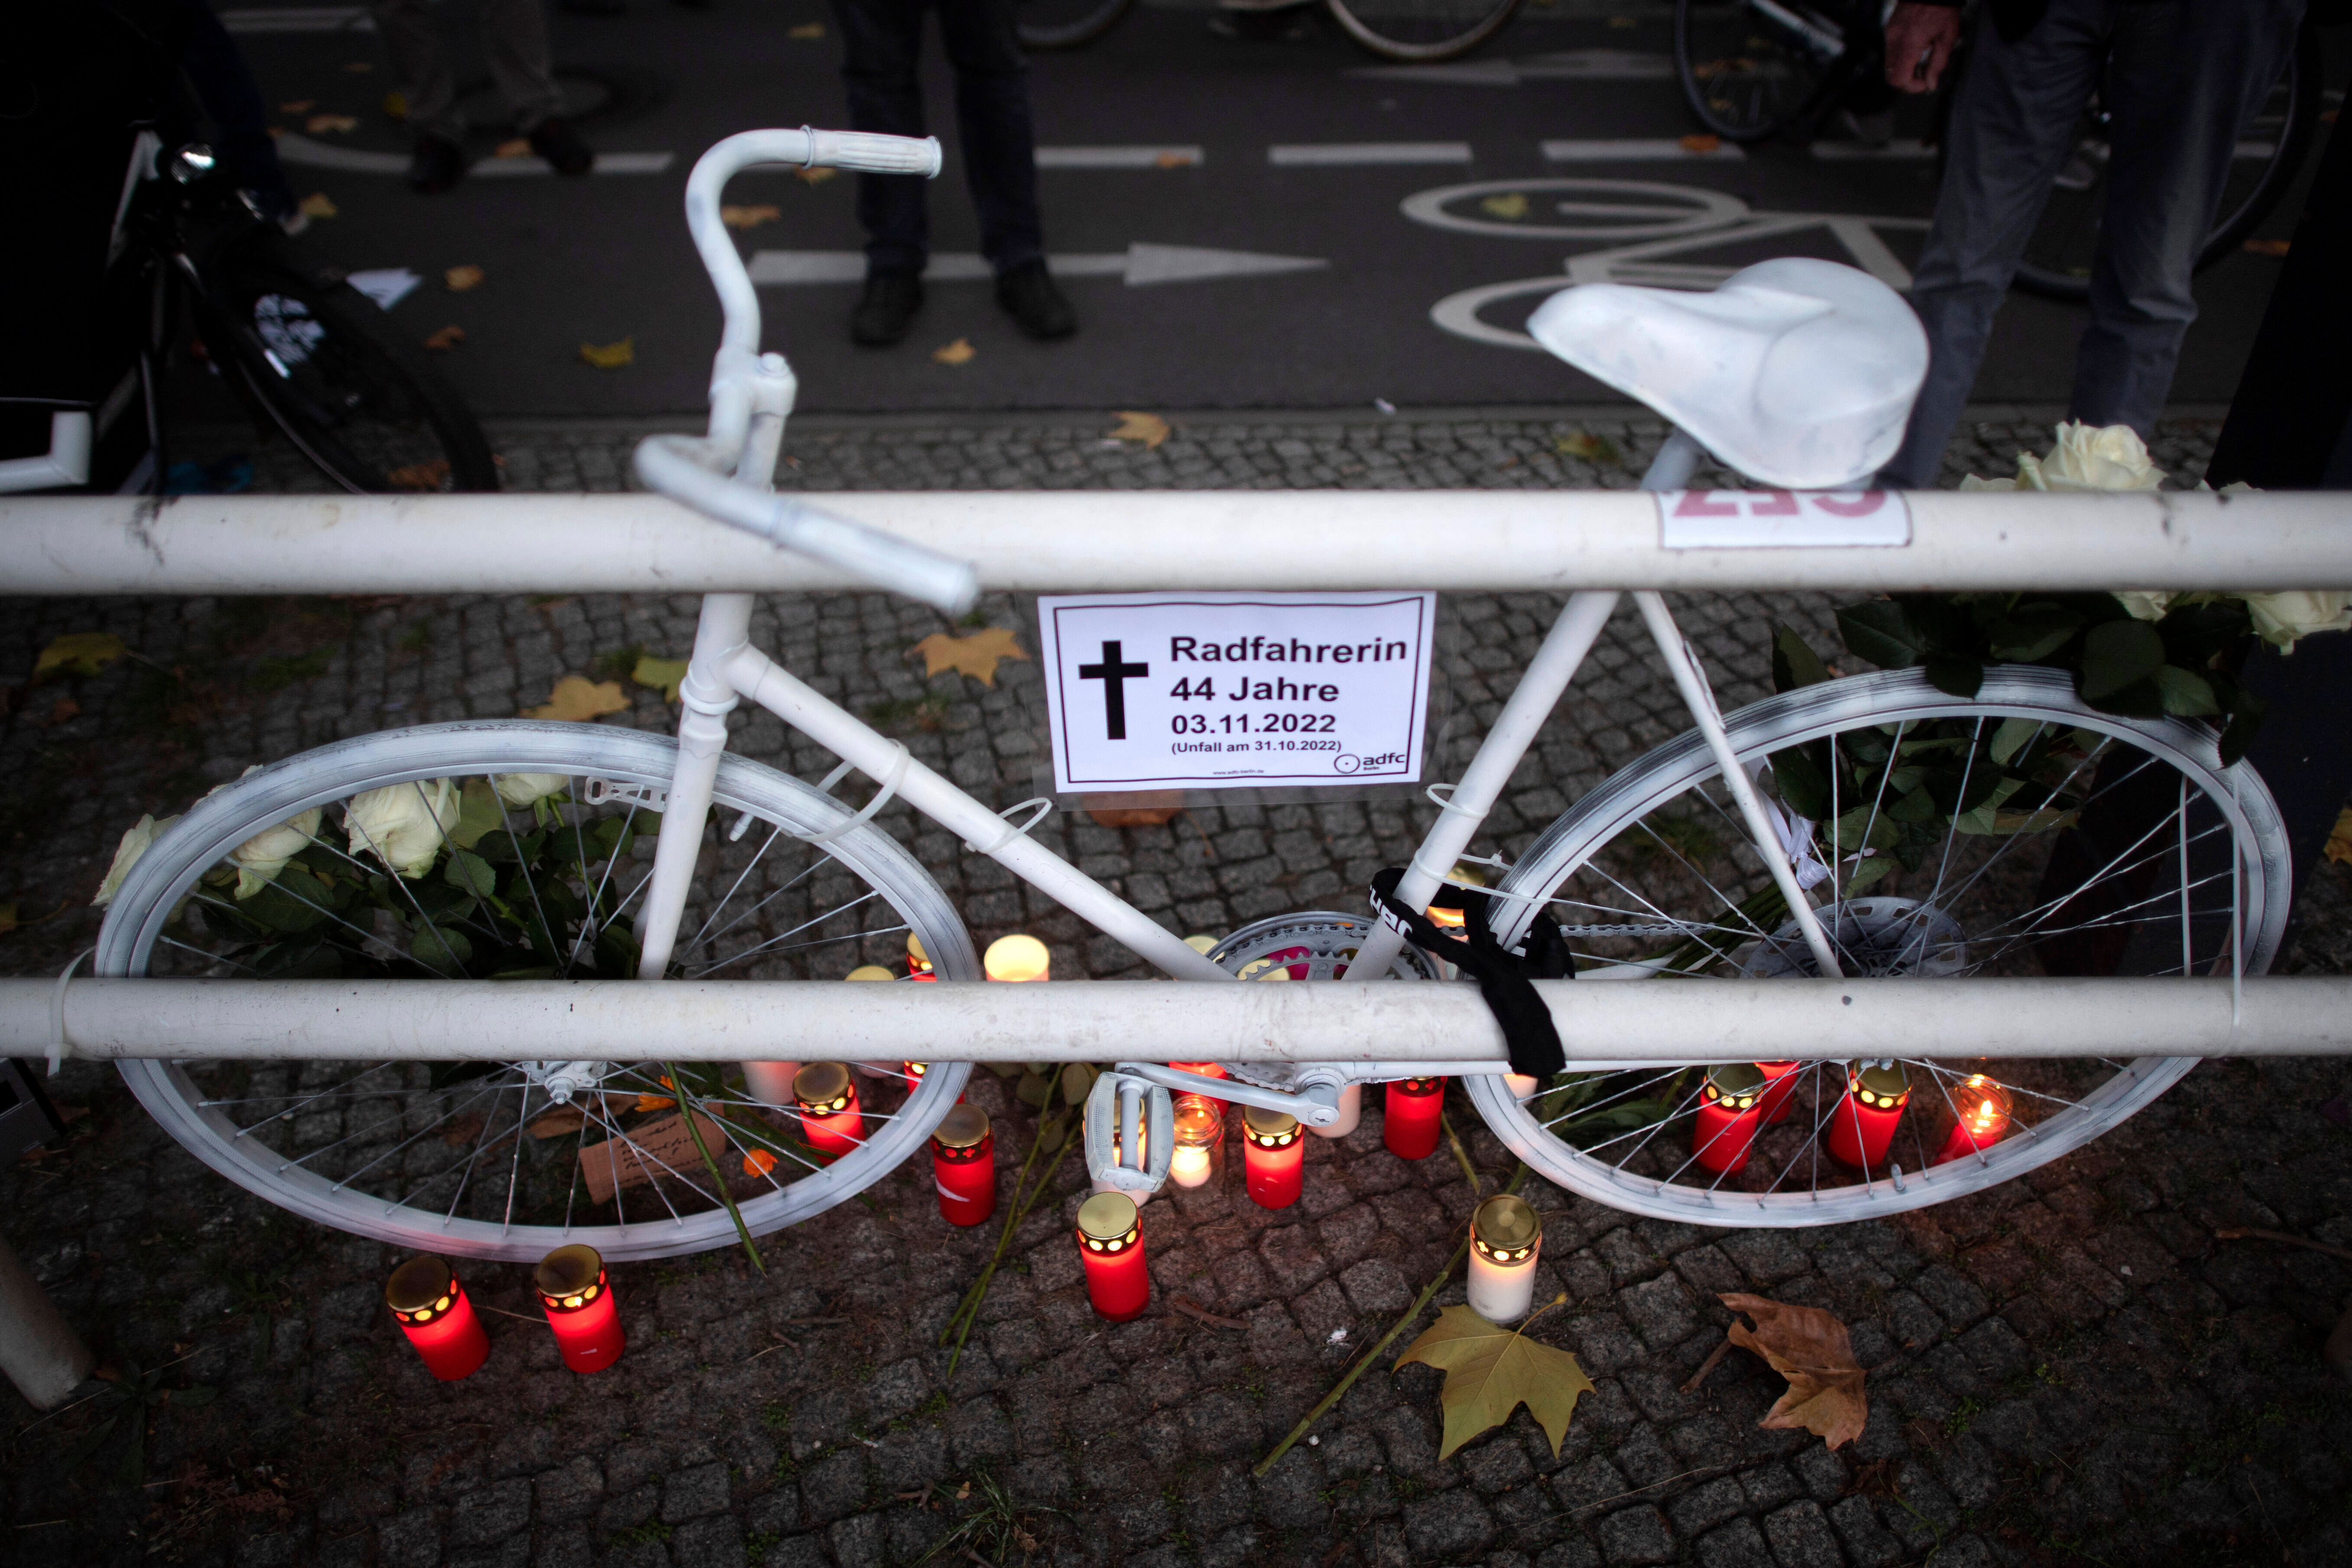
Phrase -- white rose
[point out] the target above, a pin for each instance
(1979, 482)
(260, 858)
(403, 824)
(2146, 605)
(135, 843)
(2280, 619)
(520, 790)
(2112, 458)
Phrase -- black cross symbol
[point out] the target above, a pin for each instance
(1114, 677)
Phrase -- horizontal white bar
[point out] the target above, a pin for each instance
(1637, 150)
(1448, 1025)
(1119, 157)
(1354, 154)
(313, 154)
(1553, 539)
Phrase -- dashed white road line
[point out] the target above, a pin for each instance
(1357, 154)
(1139, 265)
(1903, 147)
(1566, 65)
(1119, 157)
(301, 150)
(1640, 150)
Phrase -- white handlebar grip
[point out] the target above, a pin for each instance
(874, 154)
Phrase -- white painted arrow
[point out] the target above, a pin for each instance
(1137, 265)
(1567, 65)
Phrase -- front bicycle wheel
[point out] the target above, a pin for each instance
(321, 366)
(521, 850)
(1066, 23)
(2058, 259)
(1419, 31)
(1749, 70)
(2014, 833)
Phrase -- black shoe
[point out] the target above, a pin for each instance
(1027, 292)
(555, 140)
(435, 165)
(886, 311)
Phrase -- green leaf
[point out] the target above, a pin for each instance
(1850, 835)
(1918, 806)
(1034, 1089)
(1948, 626)
(478, 811)
(442, 950)
(1077, 1081)
(295, 901)
(2011, 736)
(1959, 676)
(2034, 631)
(1794, 663)
(1880, 631)
(2117, 654)
(298, 960)
(1803, 781)
(1490, 1371)
(195, 1395)
(469, 871)
(1870, 870)
(500, 847)
(2187, 694)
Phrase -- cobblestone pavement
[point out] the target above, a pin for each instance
(2068, 1369)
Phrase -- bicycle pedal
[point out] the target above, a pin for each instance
(1124, 1113)
(644, 797)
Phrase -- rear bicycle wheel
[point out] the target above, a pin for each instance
(1419, 31)
(2058, 259)
(320, 363)
(1749, 70)
(1978, 810)
(509, 1159)
(1066, 23)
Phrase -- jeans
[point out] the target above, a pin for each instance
(514, 37)
(2183, 76)
(882, 43)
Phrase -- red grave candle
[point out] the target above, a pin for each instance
(963, 1165)
(1984, 1111)
(1730, 1114)
(1780, 1088)
(1274, 1156)
(919, 962)
(431, 1309)
(1864, 1123)
(830, 1119)
(1110, 1243)
(1413, 1107)
(578, 1299)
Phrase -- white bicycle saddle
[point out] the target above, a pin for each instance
(1797, 373)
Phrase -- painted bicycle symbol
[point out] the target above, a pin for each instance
(1649, 227)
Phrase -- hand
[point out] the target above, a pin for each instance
(1919, 43)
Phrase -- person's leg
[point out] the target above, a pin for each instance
(523, 62)
(993, 127)
(881, 51)
(2010, 130)
(226, 84)
(420, 65)
(2185, 77)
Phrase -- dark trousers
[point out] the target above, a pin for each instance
(882, 44)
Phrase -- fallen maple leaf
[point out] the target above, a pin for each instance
(1809, 1348)
(561, 1122)
(2268, 247)
(960, 352)
(426, 476)
(1700, 142)
(611, 356)
(749, 217)
(8, 918)
(1592, 448)
(807, 30)
(316, 204)
(458, 280)
(664, 675)
(319, 124)
(815, 176)
(577, 698)
(395, 105)
(976, 656)
(1491, 1371)
(2340, 840)
(1149, 428)
(1137, 808)
(79, 653)
(446, 338)
(299, 106)
(1513, 205)
(358, 68)
(1172, 160)
(518, 148)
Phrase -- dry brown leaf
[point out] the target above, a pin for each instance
(2267, 246)
(1491, 1371)
(577, 698)
(977, 655)
(1698, 141)
(1175, 161)
(815, 176)
(1592, 448)
(79, 653)
(1135, 808)
(463, 1129)
(358, 68)
(610, 356)
(2340, 840)
(316, 204)
(395, 105)
(424, 476)
(749, 217)
(518, 148)
(1149, 428)
(1809, 1348)
(446, 338)
(807, 30)
(299, 106)
(561, 1122)
(1510, 205)
(458, 280)
(960, 352)
(65, 710)
(321, 124)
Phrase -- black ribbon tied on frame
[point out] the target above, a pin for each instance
(1503, 977)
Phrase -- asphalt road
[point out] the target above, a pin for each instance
(1241, 226)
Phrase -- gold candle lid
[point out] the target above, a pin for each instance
(1882, 1081)
(1106, 1216)
(1269, 1124)
(1736, 1084)
(961, 1128)
(567, 1271)
(869, 971)
(915, 948)
(1506, 1224)
(821, 1083)
(419, 1283)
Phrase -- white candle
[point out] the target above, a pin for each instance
(1351, 1110)
(1522, 1084)
(1506, 1238)
(771, 1082)
(1188, 1166)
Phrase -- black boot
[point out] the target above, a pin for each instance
(1027, 292)
(555, 140)
(886, 311)
(435, 165)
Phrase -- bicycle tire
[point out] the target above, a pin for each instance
(2073, 1101)
(1047, 24)
(2305, 80)
(1781, 84)
(223, 1112)
(320, 363)
(1421, 32)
